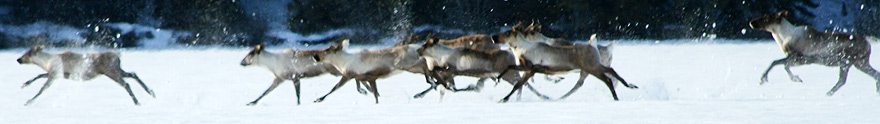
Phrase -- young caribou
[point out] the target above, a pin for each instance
(81, 67)
(806, 45)
(468, 62)
(539, 57)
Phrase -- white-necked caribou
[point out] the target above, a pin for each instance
(806, 45)
(80, 67)
(540, 57)
(287, 65)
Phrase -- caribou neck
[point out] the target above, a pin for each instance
(46, 61)
(276, 63)
(339, 60)
(520, 45)
(784, 33)
(440, 53)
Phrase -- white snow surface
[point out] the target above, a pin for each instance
(678, 83)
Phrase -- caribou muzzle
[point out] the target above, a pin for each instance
(245, 63)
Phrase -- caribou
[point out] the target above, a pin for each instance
(79, 67)
(450, 61)
(533, 33)
(806, 45)
(368, 66)
(287, 65)
(540, 57)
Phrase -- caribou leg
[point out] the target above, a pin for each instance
(296, 87)
(609, 84)
(513, 77)
(136, 78)
(359, 89)
(518, 85)
(27, 83)
(774, 63)
(45, 86)
(118, 78)
(844, 69)
(422, 94)
(617, 76)
(374, 90)
(865, 67)
(275, 84)
(480, 83)
(341, 82)
(439, 80)
(553, 79)
(577, 85)
(512, 67)
(793, 77)
(451, 85)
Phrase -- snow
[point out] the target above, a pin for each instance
(707, 82)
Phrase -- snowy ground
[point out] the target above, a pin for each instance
(679, 83)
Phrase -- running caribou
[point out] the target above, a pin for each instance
(540, 57)
(452, 61)
(80, 67)
(806, 45)
(287, 66)
(368, 66)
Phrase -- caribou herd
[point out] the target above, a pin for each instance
(527, 53)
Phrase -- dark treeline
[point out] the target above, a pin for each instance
(228, 22)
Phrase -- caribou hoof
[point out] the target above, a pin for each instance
(796, 79)
(151, 93)
(362, 91)
(251, 104)
(418, 96)
(763, 80)
(830, 93)
(503, 100)
(319, 100)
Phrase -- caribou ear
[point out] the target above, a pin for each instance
(259, 48)
(517, 26)
(533, 23)
(782, 13)
(345, 43)
(434, 41)
(593, 40)
(38, 48)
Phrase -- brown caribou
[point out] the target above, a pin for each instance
(449, 61)
(540, 57)
(368, 66)
(287, 65)
(806, 45)
(80, 67)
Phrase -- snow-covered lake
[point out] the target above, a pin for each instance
(679, 83)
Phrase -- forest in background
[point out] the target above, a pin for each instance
(249, 22)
